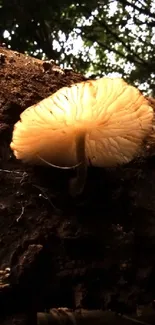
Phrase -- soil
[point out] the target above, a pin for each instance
(93, 251)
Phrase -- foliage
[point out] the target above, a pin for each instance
(95, 37)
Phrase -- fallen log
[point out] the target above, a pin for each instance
(94, 251)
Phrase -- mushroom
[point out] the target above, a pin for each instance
(100, 122)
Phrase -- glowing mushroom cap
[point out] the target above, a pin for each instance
(113, 118)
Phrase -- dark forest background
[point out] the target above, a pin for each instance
(95, 38)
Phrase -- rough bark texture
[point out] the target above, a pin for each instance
(94, 251)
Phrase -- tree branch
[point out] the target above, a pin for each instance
(118, 39)
(133, 5)
(127, 47)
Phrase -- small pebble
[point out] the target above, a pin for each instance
(16, 53)
(11, 59)
(57, 69)
(51, 61)
(68, 69)
(2, 58)
(46, 65)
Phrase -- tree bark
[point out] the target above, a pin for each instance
(93, 251)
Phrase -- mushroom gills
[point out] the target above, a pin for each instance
(76, 184)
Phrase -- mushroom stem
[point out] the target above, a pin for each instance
(77, 183)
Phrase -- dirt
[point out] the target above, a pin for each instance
(93, 251)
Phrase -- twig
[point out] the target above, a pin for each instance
(135, 320)
(22, 212)
(11, 171)
(67, 316)
(45, 196)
